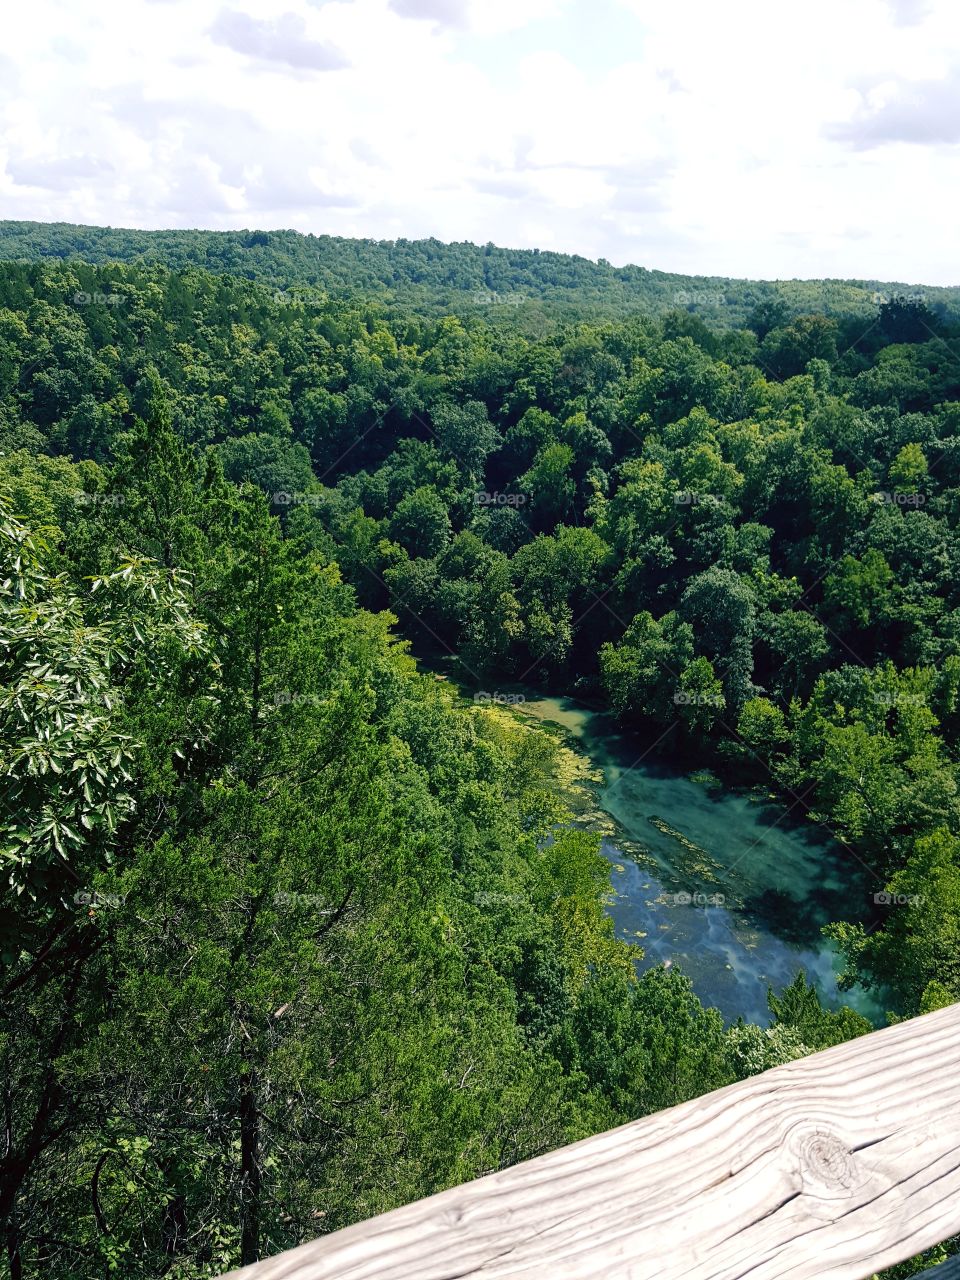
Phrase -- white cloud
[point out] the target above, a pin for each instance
(909, 12)
(282, 40)
(912, 111)
(758, 139)
(447, 13)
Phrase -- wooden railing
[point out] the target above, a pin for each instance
(828, 1168)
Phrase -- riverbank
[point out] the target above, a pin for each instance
(719, 881)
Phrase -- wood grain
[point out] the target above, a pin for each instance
(828, 1168)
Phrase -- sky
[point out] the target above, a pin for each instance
(746, 138)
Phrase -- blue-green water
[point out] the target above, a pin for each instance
(679, 834)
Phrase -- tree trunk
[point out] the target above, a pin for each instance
(14, 1259)
(249, 1171)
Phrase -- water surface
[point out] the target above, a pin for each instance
(760, 885)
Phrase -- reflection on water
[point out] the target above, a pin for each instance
(761, 886)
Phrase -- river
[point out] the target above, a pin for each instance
(716, 881)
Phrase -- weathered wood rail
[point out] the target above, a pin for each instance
(828, 1168)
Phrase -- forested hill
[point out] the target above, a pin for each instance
(432, 275)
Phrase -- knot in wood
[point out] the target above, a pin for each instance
(826, 1163)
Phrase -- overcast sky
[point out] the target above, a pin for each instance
(746, 138)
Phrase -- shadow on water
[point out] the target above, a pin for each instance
(778, 912)
(727, 884)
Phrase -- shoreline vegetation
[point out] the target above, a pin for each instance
(686, 872)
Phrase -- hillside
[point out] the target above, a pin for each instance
(279, 901)
(462, 277)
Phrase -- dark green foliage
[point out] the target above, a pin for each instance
(291, 936)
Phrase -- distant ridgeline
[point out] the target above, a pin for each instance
(462, 276)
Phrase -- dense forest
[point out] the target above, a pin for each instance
(291, 933)
(527, 287)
